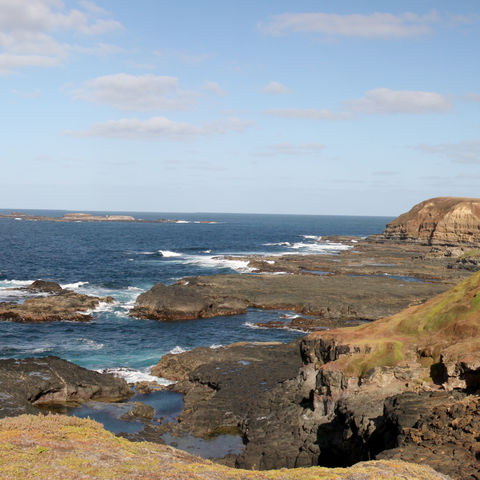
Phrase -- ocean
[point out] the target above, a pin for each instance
(124, 259)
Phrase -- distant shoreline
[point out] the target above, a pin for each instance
(86, 217)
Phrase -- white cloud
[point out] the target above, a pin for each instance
(50, 15)
(472, 97)
(9, 62)
(308, 113)
(214, 87)
(28, 28)
(384, 100)
(291, 150)
(374, 25)
(275, 88)
(466, 152)
(160, 128)
(93, 8)
(136, 92)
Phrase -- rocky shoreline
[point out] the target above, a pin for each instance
(401, 383)
(404, 387)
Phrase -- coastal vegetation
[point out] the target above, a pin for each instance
(61, 447)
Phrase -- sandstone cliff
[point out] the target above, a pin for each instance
(439, 221)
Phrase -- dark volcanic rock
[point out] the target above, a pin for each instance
(139, 410)
(336, 297)
(45, 286)
(248, 389)
(60, 305)
(52, 381)
(439, 429)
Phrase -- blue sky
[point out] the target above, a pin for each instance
(312, 107)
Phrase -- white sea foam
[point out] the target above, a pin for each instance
(73, 286)
(183, 221)
(15, 283)
(89, 344)
(207, 251)
(240, 266)
(278, 244)
(176, 350)
(214, 346)
(324, 248)
(317, 238)
(169, 253)
(252, 325)
(130, 375)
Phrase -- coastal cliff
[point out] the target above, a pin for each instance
(403, 387)
(447, 221)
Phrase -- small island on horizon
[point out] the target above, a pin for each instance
(88, 217)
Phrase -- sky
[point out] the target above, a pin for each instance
(305, 107)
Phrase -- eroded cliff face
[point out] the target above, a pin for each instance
(439, 221)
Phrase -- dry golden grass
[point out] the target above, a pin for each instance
(448, 325)
(56, 447)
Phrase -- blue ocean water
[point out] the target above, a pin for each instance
(124, 259)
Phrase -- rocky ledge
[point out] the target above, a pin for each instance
(57, 304)
(403, 387)
(68, 447)
(439, 221)
(336, 297)
(44, 382)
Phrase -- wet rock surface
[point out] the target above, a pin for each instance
(57, 304)
(42, 382)
(336, 297)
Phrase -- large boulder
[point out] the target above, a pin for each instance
(439, 221)
(51, 381)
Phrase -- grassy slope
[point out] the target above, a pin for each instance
(59, 447)
(448, 325)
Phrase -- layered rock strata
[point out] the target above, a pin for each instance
(439, 221)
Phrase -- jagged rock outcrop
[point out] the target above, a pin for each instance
(60, 447)
(34, 382)
(439, 221)
(59, 304)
